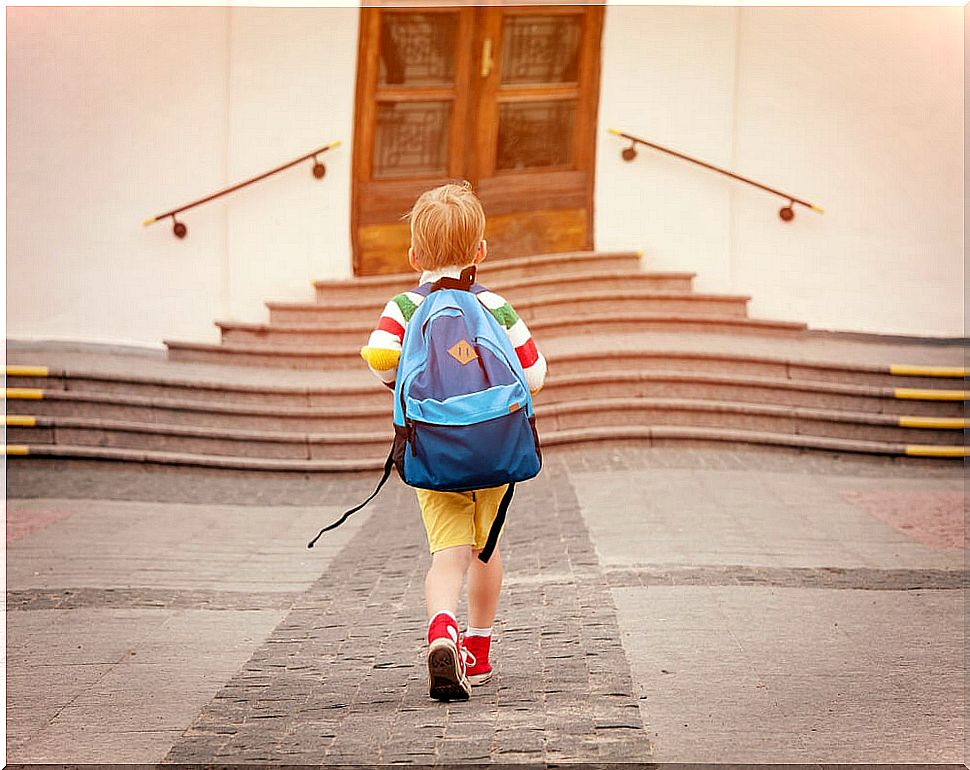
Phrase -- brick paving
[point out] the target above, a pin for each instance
(146, 598)
(934, 518)
(334, 684)
(838, 578)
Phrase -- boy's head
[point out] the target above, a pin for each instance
(447, 228)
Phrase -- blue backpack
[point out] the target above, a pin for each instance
(463, 413)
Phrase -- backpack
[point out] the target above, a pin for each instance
(463, 413)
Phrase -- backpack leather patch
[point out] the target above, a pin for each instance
(463, 352)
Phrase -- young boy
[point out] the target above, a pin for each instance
(447, 229)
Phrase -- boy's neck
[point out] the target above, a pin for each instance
(451, 271)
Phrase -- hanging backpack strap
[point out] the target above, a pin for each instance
(388, 464)
(496, 528)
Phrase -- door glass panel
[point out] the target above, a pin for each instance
(417, 49)
(540, 49)
(535, 134)
(411, 139)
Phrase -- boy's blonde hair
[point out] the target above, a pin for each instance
(447, 224)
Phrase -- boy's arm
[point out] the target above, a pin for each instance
(533, 362)
(383, 349)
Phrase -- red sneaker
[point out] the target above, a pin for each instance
(475, 649)
(446, 667)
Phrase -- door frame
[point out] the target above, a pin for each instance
(472, 153)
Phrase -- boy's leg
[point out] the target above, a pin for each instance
(447, 676)
(442, 586)
(484, 587)
(485, 579)
(448, 519)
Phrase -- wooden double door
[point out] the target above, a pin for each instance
(504, 97)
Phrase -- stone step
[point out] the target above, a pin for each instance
(770, 418)
(230, 384)
(19, 453)
(316, 337)
(263, 356)
(606, 360)
(270, 445)
(755, 389)
(584, 301)
(661, 435)
(346, 360)
(496, 272)
(143, 394)
(362, 419)
(352, 432)
(366, 306)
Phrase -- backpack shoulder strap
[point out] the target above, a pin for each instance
(464, 283)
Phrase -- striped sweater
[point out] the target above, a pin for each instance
(384, 346)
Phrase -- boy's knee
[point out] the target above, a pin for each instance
(494, 560)
(457, 557)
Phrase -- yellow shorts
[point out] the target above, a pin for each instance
(459, 518)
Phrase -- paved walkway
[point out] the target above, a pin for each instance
(662, 605)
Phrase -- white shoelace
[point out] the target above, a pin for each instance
(468, 656)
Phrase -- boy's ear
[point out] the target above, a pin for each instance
(413, 261)
(481, 253)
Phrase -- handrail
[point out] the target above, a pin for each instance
(179, 228)
(787, 213)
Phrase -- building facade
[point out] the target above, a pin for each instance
(118, 114)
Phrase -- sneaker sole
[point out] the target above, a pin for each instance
(477, 679)
(445, 678)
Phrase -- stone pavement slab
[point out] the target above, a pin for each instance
(192, 547)
(770, 617)
(125, 617)
(771, 519)
(826, 676)
(146, 674)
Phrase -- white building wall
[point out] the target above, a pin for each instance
(292, 79)
(869, 105)
(859, 110)
(112, 115)
(667, 76)
(115, 114)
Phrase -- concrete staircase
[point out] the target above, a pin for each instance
(605, 292)
(655, 362)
